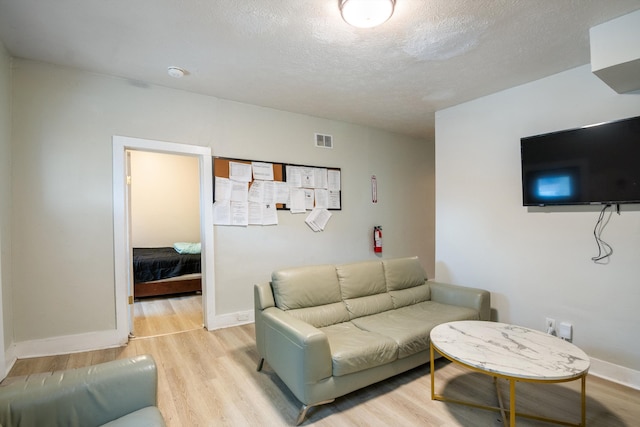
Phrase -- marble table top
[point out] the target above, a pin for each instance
(509, 350)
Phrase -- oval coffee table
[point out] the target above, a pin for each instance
(511, 352)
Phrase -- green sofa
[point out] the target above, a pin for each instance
(116, 394)
(327, 330)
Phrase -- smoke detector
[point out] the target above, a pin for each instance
(176, 72)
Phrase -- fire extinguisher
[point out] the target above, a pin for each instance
(377, 239)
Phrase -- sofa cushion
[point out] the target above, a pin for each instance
(310, 293)
(361, 279)
(307, 286)
(353, 349)
(410, 296)
(410, 333)
(322, 315)
(403, 273)
(410, 326)
(436, 313)
(363, 288)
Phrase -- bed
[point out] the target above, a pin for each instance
(164, 271)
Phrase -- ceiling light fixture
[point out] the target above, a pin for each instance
(366, 13)
(176, 72)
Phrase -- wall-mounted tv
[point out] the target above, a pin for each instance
(597, 164)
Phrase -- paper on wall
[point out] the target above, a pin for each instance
(294, 176)
(281, 192)
(222, 188)
(334, 199)
(240, 171)
(240, 213)
(317, 219)
(333, 179)
(296, 200)
(322, 198)
(239, 191)
(222, 212)
(262, 170)
(269, 214)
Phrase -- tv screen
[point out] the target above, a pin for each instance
(597, 164)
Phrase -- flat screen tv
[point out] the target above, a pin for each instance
(597, 164)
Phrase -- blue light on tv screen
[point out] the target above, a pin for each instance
(554, 187)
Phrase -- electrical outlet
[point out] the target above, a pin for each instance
(550, 326)
(565, 331)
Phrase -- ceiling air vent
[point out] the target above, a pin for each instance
(324, 141)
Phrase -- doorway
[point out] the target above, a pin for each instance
(122, 227)
(164, 206)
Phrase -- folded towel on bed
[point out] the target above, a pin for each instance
(187, 248)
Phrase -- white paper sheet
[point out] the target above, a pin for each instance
(294, 176)
(296, 200)
(240, 213)
(240, 171)
(263, 171)
(239, 191)
(268, 192)
(309, 198)
(317, 219)
(322, 198)
(256, 192)
(222, 212)
(255, 213)
(222, 188)
(308, 177)
(269, 214)
(333, 179)
(281, 192)
(320, 179)
(334, 199)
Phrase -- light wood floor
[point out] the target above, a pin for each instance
(167, 315)
(210, 379)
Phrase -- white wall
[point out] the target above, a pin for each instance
(6, 334)
(537, 261)
(165, 199)
(63, 229)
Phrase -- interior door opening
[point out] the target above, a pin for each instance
(164, 236)
(124, 295)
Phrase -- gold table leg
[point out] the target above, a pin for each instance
(512, 403)
(512, 395)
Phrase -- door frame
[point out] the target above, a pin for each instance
(121, 232)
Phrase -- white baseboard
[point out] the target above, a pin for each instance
(232, 319)
(98, 340)
(69, 344)
(616, 373)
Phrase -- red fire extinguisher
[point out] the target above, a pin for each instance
(377, 238)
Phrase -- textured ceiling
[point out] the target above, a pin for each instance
(300, 56)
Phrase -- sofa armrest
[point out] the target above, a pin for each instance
(92, 395)
(263, 296)
(463, 296)
(297, 351)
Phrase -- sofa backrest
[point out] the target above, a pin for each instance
(324, 295)
(364, 289)
(406, 281)
(310, 293)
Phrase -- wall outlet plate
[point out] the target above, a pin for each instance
(550, 326)
(565, 330)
